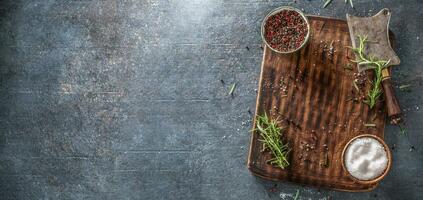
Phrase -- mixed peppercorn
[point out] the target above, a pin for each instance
(285, 31)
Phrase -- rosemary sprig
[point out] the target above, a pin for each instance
(271, 134)
(375, 64)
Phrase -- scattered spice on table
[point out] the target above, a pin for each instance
(331, 51)
(325, 147)
(396, 120)
(412, 148)
(393, 147)
(360, 78)
(352, 99)
(274, 188)
(326, 160)
(285, 31)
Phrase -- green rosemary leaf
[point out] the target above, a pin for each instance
(327, 3)
(402, 130)
(404, 87)
(297, 195)
(365, 62)
(370, 125)
(356, 86)
(232, 89)
(351, 3)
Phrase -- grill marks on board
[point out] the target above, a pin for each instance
(292, 102)
(300, 106)
(323, 114)
(318, 88)
(333, 104)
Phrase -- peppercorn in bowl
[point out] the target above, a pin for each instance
(285, 30)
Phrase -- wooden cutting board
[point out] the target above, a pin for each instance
(310, 94)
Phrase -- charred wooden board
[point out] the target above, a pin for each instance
(310, 93)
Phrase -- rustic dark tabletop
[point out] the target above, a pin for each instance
(127, 99)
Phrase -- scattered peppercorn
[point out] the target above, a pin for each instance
(412, 148)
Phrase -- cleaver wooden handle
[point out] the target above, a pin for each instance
(392, 105)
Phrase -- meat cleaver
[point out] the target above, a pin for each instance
(376, 28)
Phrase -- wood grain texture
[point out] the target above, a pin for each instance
(315, 109)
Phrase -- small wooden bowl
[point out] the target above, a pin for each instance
(388, 154)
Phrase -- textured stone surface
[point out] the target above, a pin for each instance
(104, 99)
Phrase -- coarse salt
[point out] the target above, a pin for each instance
(366, 158)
